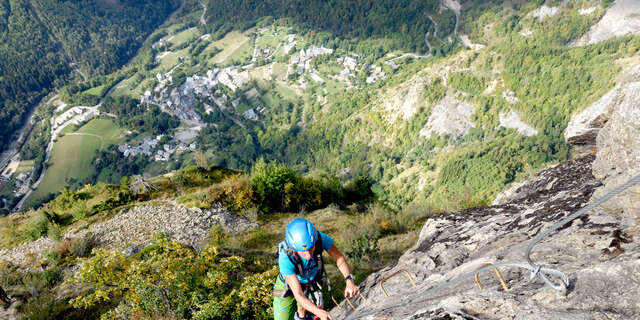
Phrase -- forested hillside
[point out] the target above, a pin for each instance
(42, 40)
(401, 24)
(30, 63)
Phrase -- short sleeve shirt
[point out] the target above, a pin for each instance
(287, 267)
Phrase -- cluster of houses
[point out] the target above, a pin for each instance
(375, 75)
(302, 61)
(180, 100)
(75, 114)
(149, 147)
(22, 180)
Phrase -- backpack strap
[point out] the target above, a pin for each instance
(313, 285)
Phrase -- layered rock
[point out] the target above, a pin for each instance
(618, 156)
(612, 127)
(583, 128)
(598, 251)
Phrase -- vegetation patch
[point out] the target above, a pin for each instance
(71, 158)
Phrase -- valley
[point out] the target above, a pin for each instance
(382, 122)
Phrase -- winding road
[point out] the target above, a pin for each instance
(204, 7)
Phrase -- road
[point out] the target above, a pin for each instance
(204, 7)
(21, 135)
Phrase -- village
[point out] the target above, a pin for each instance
(150, 148)
(198, 95)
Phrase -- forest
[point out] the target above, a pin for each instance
(404, 23)
(43, 41)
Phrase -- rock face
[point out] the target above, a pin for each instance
(512, 120)
(405, 102)
(132, 229)
(620, 19)
(618, 157)
(612, 127)
(583, 128)
(544, 12)
(450, 116)
(599, 252)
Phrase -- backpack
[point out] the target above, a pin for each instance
(311, 285)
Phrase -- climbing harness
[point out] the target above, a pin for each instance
(535, 270)
(312, 288)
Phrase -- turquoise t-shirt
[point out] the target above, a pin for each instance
(287, 268)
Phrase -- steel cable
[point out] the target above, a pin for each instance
(536, 270)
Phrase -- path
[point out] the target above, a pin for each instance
(80, 73)
(435, 33)
(255, 49)
(202, 20)
(413, 55)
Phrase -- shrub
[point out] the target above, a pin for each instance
(268, 181)
(364, 248)
(234, 193)
(170, 281)
(75, 247)
(37, 226)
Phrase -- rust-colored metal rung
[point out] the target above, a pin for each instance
(498, 274)
(349, 301)
(393, 275)
(336, 302)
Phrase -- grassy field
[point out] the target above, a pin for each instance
(280, 71)
(124, 87)
(333, 86)
(234, 44)
(25, 166)
(96, 91)
(286, 92)
(72, 154)
(185, 36)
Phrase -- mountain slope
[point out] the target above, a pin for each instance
(42, 40)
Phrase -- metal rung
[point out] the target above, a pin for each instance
(349, 301)
(498, 274)
(407, 274)
(336, 302)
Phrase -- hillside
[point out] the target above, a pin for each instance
(448, 128)
(45, 43)
(596, 253)
(432, 136)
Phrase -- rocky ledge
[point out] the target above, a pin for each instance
(132, 229)
(599, 252)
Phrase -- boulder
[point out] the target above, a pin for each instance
(584, 127)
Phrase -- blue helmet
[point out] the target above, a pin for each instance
(300, 235)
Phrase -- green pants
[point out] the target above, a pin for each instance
(283, 308)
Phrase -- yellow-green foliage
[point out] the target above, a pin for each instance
(234, 193)
(169, 280)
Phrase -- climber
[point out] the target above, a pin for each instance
(302, 273)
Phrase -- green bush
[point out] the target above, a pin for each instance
(37, 226)
(268, 181)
